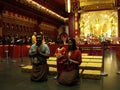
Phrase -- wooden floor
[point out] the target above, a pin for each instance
(12, 78)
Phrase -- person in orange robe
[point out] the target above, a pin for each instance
(34, 38)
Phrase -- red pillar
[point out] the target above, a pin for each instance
(71, 25)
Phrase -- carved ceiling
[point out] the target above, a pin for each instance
(32, 10)
(86, 5)
(57, 6)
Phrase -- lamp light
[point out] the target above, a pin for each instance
(68, 5)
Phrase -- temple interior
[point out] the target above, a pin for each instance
(95, 25)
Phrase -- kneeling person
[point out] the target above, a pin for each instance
(39, 62)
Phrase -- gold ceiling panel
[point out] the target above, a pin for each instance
(98, 7)
(94, 2)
